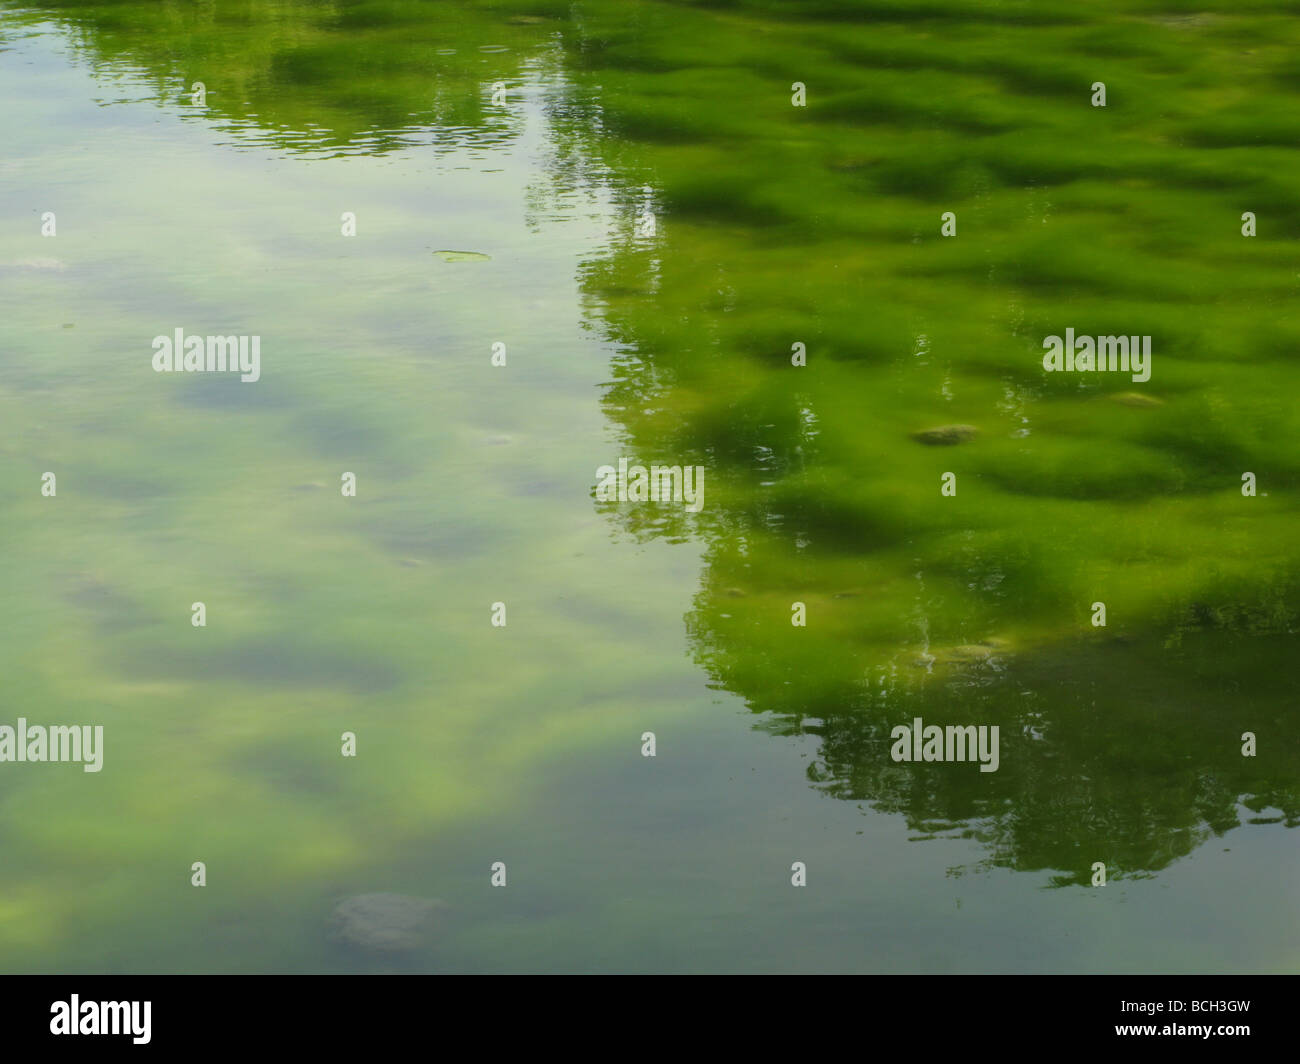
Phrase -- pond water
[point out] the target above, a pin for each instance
(622, 198)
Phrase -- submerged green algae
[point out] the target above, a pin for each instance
(817, 230)
(775, 225)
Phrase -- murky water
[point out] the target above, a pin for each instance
(622, 196)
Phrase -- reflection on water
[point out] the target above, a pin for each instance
(539, 142)
(1121, 743)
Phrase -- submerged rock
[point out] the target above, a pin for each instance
(384, 923)
(1136, 399)
(37, 263)
(946, 435)
(986, 650)
(966, 652)
(463, 256)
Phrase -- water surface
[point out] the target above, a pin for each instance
(772, 225)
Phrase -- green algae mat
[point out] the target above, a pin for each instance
(834, 510)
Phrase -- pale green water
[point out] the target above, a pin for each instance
(522, 744)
